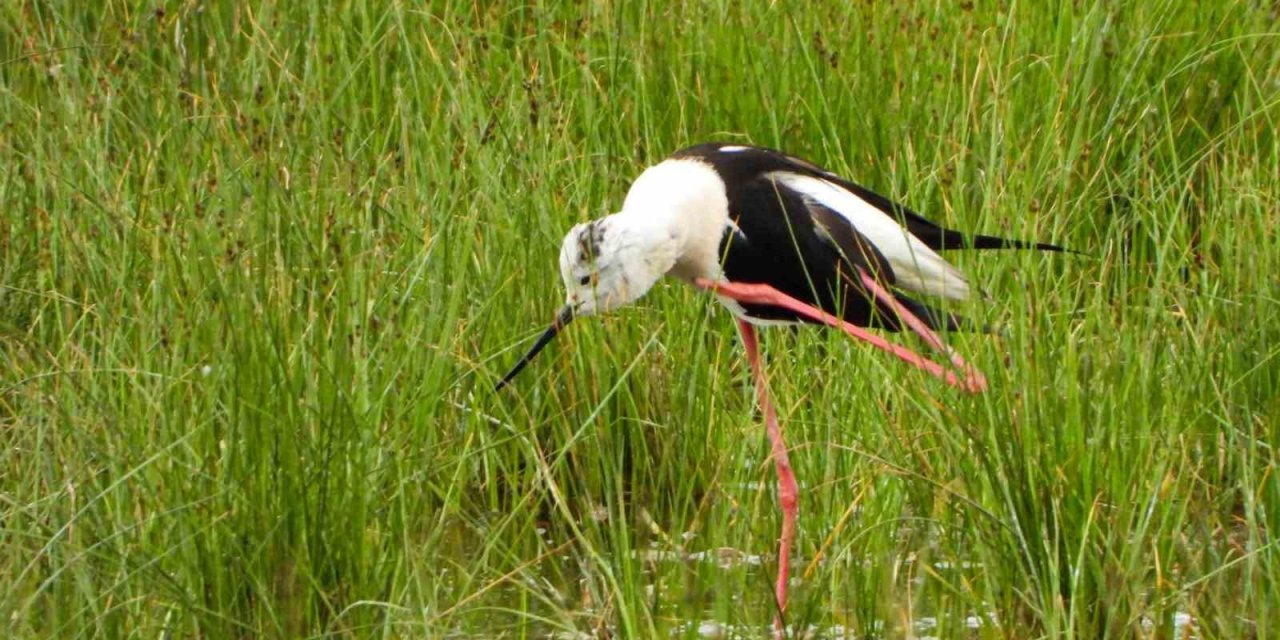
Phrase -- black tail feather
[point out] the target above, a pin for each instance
(937, 238)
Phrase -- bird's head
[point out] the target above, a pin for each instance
(606, 264)
(609, 263)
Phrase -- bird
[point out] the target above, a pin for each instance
(778, 240)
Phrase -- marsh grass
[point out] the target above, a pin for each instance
(259, 268)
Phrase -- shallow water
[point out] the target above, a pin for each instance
(925, 626)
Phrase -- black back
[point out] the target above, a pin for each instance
(795, 245)
(751, 161)
(813, 254)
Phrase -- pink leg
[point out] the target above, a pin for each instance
(974, 380)
(765, 294)
(788, 492)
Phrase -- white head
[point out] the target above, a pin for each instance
(606, 263)
(611, 262)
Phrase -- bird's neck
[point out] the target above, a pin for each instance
(650, 240)
(678, 207)
(682, 207)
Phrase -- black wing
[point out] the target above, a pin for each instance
(811, 253)
(801, 247)
(743, 162)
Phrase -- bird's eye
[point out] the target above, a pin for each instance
(584, 280)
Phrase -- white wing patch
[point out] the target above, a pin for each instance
(915, 266)
(733, 226)
(733, 148)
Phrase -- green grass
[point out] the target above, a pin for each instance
(259, 269)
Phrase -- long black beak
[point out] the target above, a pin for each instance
(563, 318)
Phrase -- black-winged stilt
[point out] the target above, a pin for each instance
(779, 241)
